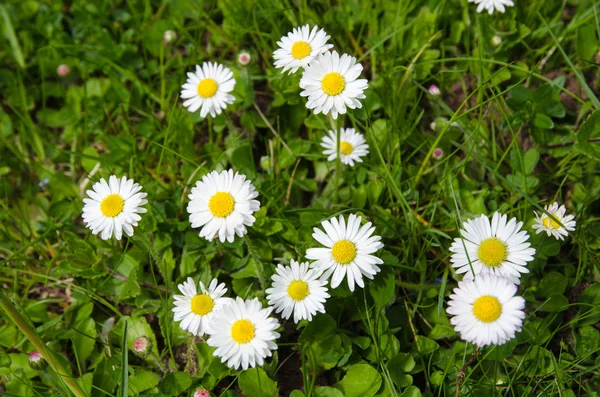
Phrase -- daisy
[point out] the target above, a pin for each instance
(208, 89)
(243, 334)
(197, 308)
(113, 207)
(492, 5)
(330, 83)
(565, 224)
(223, 204)
(300, 47)
(500, 248)
(296, 288)
(347, 252)
(352, 146)
(486, 310)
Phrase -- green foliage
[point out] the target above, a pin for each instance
(518, 121)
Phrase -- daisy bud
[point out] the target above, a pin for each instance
(265, 163)
(201, 393)
(496, 40)
(244, 58)
(434, 90)
(63, 70)
(36, 361)
(438, 153)
(169, 36)
(142, 346)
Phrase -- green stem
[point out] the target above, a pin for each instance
(13, 314)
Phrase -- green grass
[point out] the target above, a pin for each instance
(518, 122)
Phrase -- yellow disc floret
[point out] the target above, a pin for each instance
(112, 205)
(202, 304)
(551, 223)
(207, 88)
(298, 290)
(301, 49)
(492, 252)
(333, 83)
(221, 204)
(487, 308)
(346, 148)
(242, 331)
(343, 252)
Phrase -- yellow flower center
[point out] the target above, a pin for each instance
(487, 308)
(333, 83)
(207, 88)
(346, 148)
(343, 251)
(551, 223)
(298, 290)
(300, 49)
(492, 252)
(202, 304)
(242, 331)
(112, 205)
(221, 204)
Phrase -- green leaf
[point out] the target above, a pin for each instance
(411, 391)
(175, 383)
(361, 380)
(590, 129)
(587, 342)
(542, 121)
(324, 391)
(124, 364)
(84, 339)
(399, 366)
(383, 289)
(322, 326)
(530, 160)
(587, 42)
(553, 283)
(12, 37)
(256, 383)
(298, 393)
(142, 380)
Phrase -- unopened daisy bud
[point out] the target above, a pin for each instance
(201, 393)
(434, 90)
(438, 153)
(496, 40)
(63, 70)
(265, 163)
(142, 346)
(169, 36)
(36, 361)
(244, 58)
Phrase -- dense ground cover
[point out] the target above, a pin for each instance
(515, 126)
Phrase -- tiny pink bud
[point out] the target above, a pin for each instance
(142, 346)
(496, 40)
(434, 90)
(63, 70)
(201, 393)
(438, 153)
(36, 360)
(244, 58)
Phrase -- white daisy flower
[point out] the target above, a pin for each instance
(208, 89)
(492, 5)
(353, 146)
(113, 207)
(196, 308)
(330, 83)
(347, 252)
(565, 224)
(486, 310)
(300, 47)
(297, 289)
(243, 334)
(499, 248)
(223, 203)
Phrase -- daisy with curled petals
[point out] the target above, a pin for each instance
(486, 310)
(223, 204)
(330, 83)
(243, 334)
(299, 47)
(197, 307)
(297, 289)
(492, 5)
(565, 224)
(499, 247)
(352, 146)
(113, 207)
(347, 252)
(208, 89)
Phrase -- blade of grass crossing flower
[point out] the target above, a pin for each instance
(124, 365)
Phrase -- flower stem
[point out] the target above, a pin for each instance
(27, 329)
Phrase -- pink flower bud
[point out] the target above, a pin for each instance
(142, 346)
(36, 361)
(63, 70)
(244, 58)
(438, 153)
(434, 90)
(201, 393)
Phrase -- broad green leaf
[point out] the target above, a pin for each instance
(361, 380)
(175, 383)
(256, 383)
